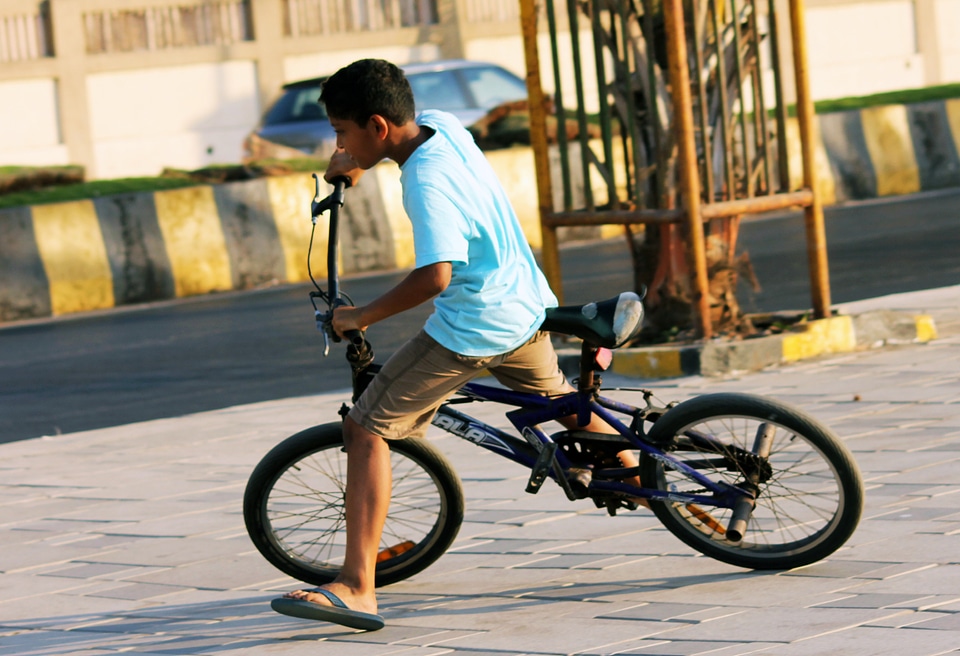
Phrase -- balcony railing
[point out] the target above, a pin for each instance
(321, 17)
(167, 26)
(25, 32)
(122, 26)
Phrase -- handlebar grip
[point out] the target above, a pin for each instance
(343, 179)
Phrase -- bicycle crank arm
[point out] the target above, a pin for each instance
(743, 509)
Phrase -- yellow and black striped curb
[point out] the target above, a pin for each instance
(134, 248)
(881, 151)
(140, 247)
(839, 334)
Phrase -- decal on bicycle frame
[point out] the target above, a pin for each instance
(664, 460)
(470, 431)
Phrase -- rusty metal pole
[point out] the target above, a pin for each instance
(816, 234)
(538, 141)
(687, 158)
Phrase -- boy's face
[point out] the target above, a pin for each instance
(362, 142)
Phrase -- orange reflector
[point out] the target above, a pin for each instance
(706, 518)
(395, 550)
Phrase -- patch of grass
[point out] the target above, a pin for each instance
(170, 179)
(902, 97)
(93, 189)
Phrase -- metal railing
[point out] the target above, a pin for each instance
(166, 25)
(317, 17)
(685, 134)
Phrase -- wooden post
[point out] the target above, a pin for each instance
(687, 160)
(816, 234)
(538, 140)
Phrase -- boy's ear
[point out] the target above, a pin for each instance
(380, 125)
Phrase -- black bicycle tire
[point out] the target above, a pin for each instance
(716, 407)
(294, 450)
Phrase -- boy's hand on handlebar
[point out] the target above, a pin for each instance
(342, 166)
(347, 318)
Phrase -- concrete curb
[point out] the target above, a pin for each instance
(881, 151)
(839, 334)
(133, 248)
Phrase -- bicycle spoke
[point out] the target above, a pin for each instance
(306, 519)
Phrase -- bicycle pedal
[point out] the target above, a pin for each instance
(538, 474)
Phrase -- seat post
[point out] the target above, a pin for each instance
(588, 353)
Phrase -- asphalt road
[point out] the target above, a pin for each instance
(170, 359)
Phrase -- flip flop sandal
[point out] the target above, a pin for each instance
(338, 613)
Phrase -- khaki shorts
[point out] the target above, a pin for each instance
(403, 397)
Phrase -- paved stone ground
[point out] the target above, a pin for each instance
(131, 539)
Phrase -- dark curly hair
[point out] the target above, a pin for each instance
(367, 87)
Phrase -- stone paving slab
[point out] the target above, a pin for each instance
(131, 540)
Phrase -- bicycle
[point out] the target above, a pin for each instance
(745, 479)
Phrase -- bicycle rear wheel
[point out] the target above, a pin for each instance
(810, 497)
(294, 514)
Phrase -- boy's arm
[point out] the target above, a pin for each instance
(419, 286)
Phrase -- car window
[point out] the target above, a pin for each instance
(438, 90)
(493, 86)
(297, 104)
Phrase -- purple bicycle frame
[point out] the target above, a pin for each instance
(533, 409)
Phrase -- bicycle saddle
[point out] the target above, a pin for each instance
(608, 324)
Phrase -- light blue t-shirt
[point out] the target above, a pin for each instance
(497, 295)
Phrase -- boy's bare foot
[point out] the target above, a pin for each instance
(341, 591)
(344, 607)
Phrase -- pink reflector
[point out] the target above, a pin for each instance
(603, 358)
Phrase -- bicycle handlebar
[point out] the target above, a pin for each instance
(359, 352)
(355, 337)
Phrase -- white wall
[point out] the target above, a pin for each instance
(863, 48)
(29, 125)
(182, 117)
(948, 37)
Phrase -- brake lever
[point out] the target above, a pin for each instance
(325, 324)
(322, 323)
(316, 205)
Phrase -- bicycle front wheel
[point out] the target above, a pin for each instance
(294, 512)
(810, 494)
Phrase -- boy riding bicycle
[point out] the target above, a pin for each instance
(489, 299)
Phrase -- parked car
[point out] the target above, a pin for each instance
(464, 88)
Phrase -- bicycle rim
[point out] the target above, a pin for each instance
(303, 527)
